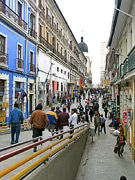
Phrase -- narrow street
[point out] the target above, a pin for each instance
(100, 162)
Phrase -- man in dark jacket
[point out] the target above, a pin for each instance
(91, 113)
(64, 116)
(15, 120)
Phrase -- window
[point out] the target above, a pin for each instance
(19, 57)
(61, 71)
(65, 54)
(57, 47)
(40, 30)
(52, 20)
(61, 86)
(31, 61)
(32, 22)
(61, 50)
(31, 86)
(19, 9)
(47, 37)
(18, 85)
(57, 69)
(57, 86)
(2, 44)
(46, 11)
(31, 57)
(2, 85)
(65, 72)
(68, 75)
(19, 52)
(57, 27)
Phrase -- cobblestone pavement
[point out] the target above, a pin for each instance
(99, 162)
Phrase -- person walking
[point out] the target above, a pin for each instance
(52, 116)
(73, 120)
(64, 116)
(57, 126)
(80, 109)
(106, 111)
(68, 105)
(91, 113)
(103, 123)
(97, 122)
(39, 121)
(15, 121)
(121, 143)
(73, 98)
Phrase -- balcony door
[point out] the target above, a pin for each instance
(2, 49)
(32, 22)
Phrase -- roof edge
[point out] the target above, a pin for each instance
(114, 22)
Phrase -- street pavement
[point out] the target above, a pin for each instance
(99, 162)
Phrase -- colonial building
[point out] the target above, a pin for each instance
(120, 64)
(61, 63)
(18, 42)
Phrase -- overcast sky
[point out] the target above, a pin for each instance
(94, 17)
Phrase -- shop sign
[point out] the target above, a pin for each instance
(75, 93)
(124, 118)
(5, 104)
(107, 83)
(47, 82)
(54, 85)
(116, 90)
(31, 91)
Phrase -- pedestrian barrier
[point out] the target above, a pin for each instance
(26, 126)
(78, 132)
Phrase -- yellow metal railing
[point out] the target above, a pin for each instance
(74, 135)
(23, 126)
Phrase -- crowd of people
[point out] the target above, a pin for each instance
(55, 120)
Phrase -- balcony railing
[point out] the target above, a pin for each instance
(33, 33)
(51, 48)
(42, 9)
(20, 64)
(12, 15)
(54, 26)
(32, 67)
(3, 58)
(48, 18)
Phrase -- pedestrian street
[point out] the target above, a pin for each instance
(99, 162)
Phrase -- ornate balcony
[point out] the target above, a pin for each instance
(32, 67)
(48, 18)
(12, 15)
(20, 64)
(3, 58)
(33, 33)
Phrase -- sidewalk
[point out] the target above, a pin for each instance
(99, 162)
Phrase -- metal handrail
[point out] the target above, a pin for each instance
(83, 129)
(18, 144)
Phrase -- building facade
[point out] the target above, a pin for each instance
(120, 65)
(18, 46)
(61, 63)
